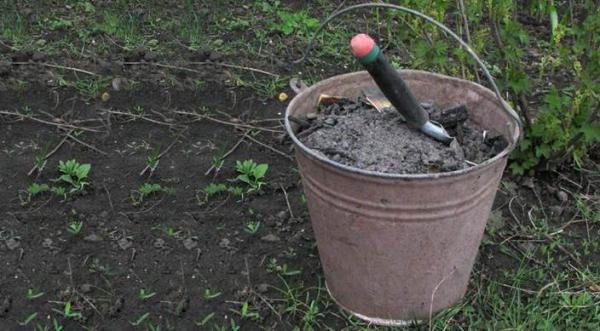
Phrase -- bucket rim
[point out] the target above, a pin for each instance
(378, 174)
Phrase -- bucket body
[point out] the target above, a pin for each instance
(397, 248)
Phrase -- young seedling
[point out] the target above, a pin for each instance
(59, 191)
(40, 162)
(236, 191)
(252, 174)
(140, 319)
(206, 319)
(139, 110)
(74, 227)
(252, 227)
(247, 313)
(152, 327)
(146, 294)
(214, 189)
(57, 325)
(40, 327)
(171, 232)
(68, 311)
(32, 191)
(152, 161)
(146, 190)
(75, 174)
(28, 319)
(209, 294)
(217, 162)
(33, 294)
(273, 266)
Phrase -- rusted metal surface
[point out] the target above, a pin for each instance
(392, 246)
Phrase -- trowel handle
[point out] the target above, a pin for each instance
(368, 53)
(507, 109)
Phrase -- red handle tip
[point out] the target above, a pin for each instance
(361, 45)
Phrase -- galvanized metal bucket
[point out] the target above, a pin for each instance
(398, 248)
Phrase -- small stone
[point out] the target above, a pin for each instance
(12, 243)
(85, 288)
(105, 97)
(270, 238)
(311, 116)
(336, 157)
(224, 243)
(282, 215)
(93, 238)
(427, 105)
(562, 196)
(124, 243)
(262, 288)
(330, 121)
(190, 243)
(159, 243)
(47, 243)
(528, 182)
(119, 83)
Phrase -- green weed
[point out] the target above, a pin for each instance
(145, 191)
(68, 312)
(252, 227)
(28, 319)
(152, 161)
(247, 313)
(145, 294)
(32, 191)
(33, 294)
(210, 294)
(74, 174)
(74, 227)
(212, 190)
(252, 174)
(140, 319)
(206, 319)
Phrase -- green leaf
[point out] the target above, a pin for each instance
(67, 178)
(260, 170)
(553, 19)
(36, 188)
(28, 319)
(83, 170)
(591, 133)
(244, 178)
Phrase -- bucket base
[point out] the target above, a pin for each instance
(374, 320)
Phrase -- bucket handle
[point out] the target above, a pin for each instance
(507, 109)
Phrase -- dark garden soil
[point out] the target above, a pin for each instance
(123, 248)
(356, 134)
(193, 253)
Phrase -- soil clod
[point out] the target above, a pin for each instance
(356, 134)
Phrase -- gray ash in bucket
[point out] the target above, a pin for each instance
(358, 135)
